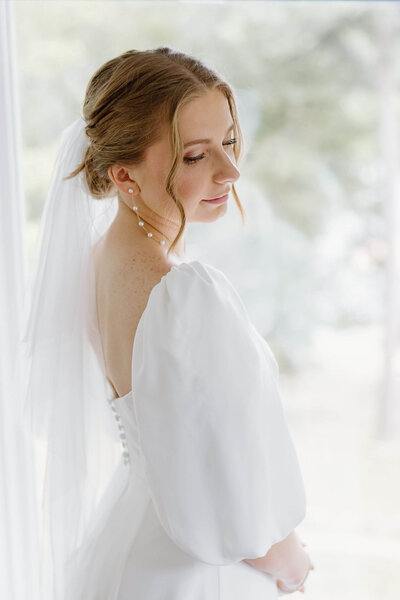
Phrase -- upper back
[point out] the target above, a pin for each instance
(125, 275)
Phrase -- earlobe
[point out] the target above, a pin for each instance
(133, 188)
(121, 178)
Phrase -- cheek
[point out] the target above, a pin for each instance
(189, 185)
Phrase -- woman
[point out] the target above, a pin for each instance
(206, 494)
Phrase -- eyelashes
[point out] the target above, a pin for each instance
(193, 159)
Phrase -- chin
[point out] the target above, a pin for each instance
(209, 214)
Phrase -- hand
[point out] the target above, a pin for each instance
(300, 588)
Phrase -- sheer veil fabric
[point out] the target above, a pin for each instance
(212, 467)
(64, 400)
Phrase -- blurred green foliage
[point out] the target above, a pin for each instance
(305, 75)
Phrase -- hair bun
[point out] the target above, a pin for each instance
(100, 186)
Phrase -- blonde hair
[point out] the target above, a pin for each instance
(127, 102)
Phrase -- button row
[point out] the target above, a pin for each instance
(122, 433)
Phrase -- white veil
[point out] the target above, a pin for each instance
(64, 401)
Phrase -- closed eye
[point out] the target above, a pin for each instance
(193, 159)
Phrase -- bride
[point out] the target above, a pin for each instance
(170, 469)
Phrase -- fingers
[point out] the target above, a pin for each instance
(286, 589)
(312, 566)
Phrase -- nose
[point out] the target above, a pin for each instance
(225, 170)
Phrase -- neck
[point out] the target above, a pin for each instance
(160, 226)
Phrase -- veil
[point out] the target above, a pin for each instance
(64, 402)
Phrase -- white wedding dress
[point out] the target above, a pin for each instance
(208, 474)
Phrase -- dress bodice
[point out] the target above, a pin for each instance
(208, 474)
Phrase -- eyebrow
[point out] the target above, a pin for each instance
(205, 140)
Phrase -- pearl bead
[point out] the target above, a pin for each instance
(130, 190)
(141, 224)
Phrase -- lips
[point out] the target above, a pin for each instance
(217, 197)
(219, 200)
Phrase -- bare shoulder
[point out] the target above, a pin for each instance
(125, 277)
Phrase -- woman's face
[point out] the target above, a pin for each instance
(208, 169)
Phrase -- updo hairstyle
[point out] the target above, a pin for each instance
(128, 102)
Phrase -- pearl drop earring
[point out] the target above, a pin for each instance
(141, 223)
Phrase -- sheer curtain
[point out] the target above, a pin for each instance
(18, 505)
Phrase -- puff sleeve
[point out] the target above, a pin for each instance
(221, 467)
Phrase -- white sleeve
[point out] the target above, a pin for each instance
(220, 463)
